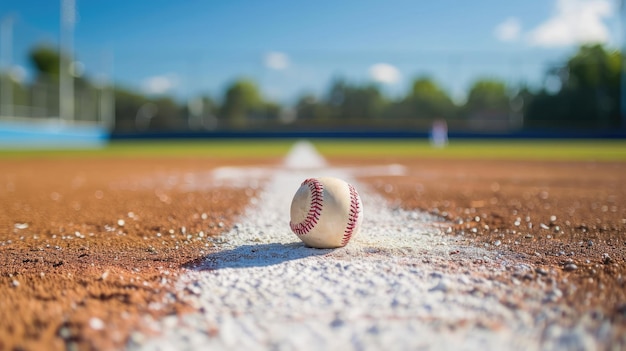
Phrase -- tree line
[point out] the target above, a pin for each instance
(581, 93)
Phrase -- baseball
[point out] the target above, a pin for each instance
(326, 212)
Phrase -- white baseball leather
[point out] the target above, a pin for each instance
(326, 212)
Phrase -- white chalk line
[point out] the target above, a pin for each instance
(391, 287)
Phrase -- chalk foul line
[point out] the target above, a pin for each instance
(394, 286)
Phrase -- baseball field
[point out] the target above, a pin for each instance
(493, 245)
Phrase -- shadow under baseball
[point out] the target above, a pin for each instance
(261, 255)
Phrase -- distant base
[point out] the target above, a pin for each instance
(51, 134)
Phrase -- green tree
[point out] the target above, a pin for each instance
(127, 105)
(18, 88)
(309, 108)
(426, 100)
(46, 60)
(45, 88)
(589, 92)
(209, 105)
(242, 101)
(353, 102)
(136, 112)
(591, 86)
(593, 66)
(487, 95)
(169, 115)
(270, 110)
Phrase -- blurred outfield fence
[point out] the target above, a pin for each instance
(556, 100)
(40, 100)
(156, 90)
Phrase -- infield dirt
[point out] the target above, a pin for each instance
(89, 246)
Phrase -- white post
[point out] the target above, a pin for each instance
(6, 43)
(66, 80)
(107, 98)
(105, 106)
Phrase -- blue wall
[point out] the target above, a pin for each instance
(53, 134)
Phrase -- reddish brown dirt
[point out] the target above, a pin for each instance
(67, 262)
(75, 265)
(567, 217)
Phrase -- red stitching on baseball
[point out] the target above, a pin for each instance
(315, 211)
(353, 217)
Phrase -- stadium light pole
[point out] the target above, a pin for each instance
(6, 45)
(66, 80)
(107, 97)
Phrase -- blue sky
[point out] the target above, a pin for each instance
(290, 47)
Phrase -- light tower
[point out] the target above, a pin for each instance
(66, 53)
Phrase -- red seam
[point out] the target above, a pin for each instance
(352, 217)
(316, 188)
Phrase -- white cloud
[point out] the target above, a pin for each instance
(384, 73)
(276, 60)
(574, 22)
(17, 73)
(509, 30)
(159, 84)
